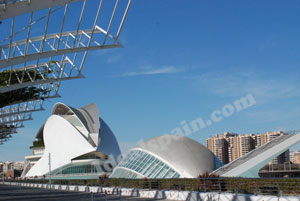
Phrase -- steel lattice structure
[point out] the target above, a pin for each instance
(43, 46)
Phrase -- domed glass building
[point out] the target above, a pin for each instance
(167, 156)
(77, 143)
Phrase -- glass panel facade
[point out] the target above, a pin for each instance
(145, 164)
(80, 169)
(123, 173)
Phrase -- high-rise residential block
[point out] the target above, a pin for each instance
(230, 146)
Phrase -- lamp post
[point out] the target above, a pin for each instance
(50, 169)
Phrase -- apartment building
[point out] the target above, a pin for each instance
(230, 146)
(240, 145)
(10, 169)
(264, 138)
(218, 144)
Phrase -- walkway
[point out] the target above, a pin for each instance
(8, 192)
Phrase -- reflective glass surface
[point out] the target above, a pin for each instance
(145, 164)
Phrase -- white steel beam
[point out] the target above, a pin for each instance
(36, 82)
(17, 120)
(53, 35)
(48, 72)
(22, 59)
(27, 6)
(123, 20)
(21, 112)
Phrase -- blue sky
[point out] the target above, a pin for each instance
(184, 59)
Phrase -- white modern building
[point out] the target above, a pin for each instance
(172, 156)
(167, 156)
(37, 148)
(250, 164)
(76, 143)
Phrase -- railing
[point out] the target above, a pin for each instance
(262, 186)
(281, 167)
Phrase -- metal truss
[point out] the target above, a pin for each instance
(53, 45)
(11, 8)
(19, 112)
(54, 55)
(14, 115)
(49, 72)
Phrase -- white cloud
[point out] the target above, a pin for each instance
(114, 58)
(264, 88)
(152, 71)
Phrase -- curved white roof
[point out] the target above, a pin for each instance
(86, 119)
(91, 115)
(188, 157)
(63, 141)
(71, 133)
(108, 143)
(62, 109)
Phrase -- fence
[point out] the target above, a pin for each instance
(262, 186)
